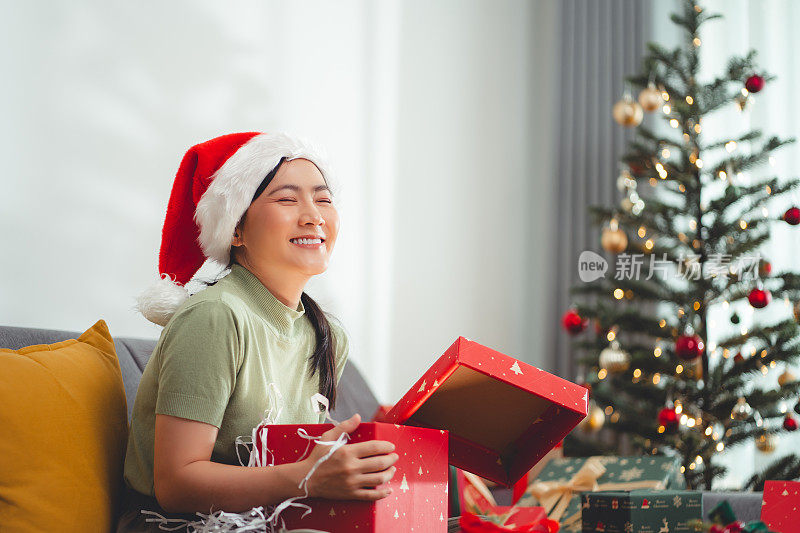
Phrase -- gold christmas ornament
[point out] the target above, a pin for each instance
(785, 378)
(594, 419)
(650, 98)
(614, 359)
(743, 101)
(614, 239)
(766, 442)
(626, 204)
(742, 410)
(627, 113)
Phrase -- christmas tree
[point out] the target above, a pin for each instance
(691, 218)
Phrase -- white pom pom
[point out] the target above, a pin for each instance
(161, 299)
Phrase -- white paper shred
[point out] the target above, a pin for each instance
(255, 519)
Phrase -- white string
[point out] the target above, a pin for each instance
(316, 400)
(261, 456)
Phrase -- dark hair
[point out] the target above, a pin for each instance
(323, 360)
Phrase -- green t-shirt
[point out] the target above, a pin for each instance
(214, 362)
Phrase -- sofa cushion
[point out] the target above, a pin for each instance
(132, 353)
(64, 429)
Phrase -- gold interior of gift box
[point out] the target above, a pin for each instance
(490, 413)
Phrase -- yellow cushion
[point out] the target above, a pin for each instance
(63, 431)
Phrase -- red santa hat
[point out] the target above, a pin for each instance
(213, 188)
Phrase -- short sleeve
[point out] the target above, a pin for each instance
(200, 358)
(342, 347)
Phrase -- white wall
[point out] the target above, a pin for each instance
(466, 188)
(427, 112)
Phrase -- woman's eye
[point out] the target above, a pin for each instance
(325, 200)
(286, 200)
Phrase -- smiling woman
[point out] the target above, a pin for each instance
(262, 205)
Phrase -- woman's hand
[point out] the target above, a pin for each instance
(354, 471)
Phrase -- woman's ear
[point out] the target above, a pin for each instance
(236, 240)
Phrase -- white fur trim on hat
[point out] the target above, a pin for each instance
(161, 299)
(232, 187)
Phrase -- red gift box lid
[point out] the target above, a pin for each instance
(503, 415)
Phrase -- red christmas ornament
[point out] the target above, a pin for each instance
(764, 269)
(716, 528)
(689, 347)
(789, 423)
(759, 298)
(792, 216)
(754, 83)
(668, 418)
(738, 358)
(573, 322)
(636, 168)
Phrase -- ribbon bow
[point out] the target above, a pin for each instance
(556, 495)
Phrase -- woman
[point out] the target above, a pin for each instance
(262, 205)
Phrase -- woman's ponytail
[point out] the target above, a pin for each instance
(323, 360)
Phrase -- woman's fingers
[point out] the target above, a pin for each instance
(347, 426)
(371, 494)
(371, 447)
(376, 478)
(377, 463)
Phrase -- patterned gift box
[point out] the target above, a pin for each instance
(641, 511)
(558, 486)
(502, 414)
(780, 509)
(420, 484)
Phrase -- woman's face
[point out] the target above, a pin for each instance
(297, 204)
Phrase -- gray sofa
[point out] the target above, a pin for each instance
(353, 393)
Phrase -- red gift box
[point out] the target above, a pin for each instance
(419, 497)
(503, 415)
(781, 506)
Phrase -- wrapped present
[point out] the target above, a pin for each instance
(503, 415)
(419, 497)
(724, 520)
(560, 483)
(476, 498)
(780, 509)
(641, 511)
(480, 512)
(517, 523)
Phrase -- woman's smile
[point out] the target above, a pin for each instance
(308, 241)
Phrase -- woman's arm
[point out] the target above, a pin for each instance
(186, 480)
